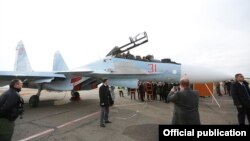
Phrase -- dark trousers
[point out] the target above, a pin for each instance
(242, 112)
(6, 129)
(142, 95)
(104, 114)
(154, 96)
(121, 93)
(132, 93)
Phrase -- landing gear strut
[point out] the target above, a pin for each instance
(75, 96)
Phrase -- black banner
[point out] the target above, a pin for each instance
(201, 132)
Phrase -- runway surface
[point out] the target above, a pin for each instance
(57, 118)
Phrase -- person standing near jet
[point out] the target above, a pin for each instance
(112, 91)
(105, 97)
(121, 91)
(186, 103)
(241, 96)
(11, 106)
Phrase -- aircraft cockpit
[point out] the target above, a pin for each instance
(124, 51)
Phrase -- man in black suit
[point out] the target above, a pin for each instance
(105, 99)
(241, 97)
(11, 107)
(186, 104)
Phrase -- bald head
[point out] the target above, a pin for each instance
(184, 82)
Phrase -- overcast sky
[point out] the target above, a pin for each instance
(212, 33)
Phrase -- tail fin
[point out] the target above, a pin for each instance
(22, 62)
(59, 63)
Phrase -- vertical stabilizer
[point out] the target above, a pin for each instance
(22, 62)
(59, 63)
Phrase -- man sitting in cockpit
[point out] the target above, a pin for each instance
(130, 56)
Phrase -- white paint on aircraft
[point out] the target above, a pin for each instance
(201, 74)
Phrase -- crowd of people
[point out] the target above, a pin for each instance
(183, 96)
(186, 101)
(153, 91)
(148, 91)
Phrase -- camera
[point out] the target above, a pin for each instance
(176, 86)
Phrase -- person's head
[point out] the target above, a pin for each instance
(184, 82)
(105, 81)
(239, 77)
(16, 84)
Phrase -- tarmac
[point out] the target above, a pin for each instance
(57, 118)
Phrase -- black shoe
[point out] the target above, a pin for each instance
(108, 121)
(102, 125)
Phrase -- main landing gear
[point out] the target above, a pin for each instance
(34, 99)
(75, 96)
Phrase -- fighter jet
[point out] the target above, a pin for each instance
(119, 66)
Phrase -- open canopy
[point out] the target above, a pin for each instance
(134, 42)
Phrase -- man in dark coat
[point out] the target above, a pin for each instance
(141, 91)
(186, 103)
(105, 99)
(11, 106)
(241, 96)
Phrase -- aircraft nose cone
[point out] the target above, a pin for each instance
(198, 74)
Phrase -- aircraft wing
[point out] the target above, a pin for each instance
(76, 72)
(35, 77)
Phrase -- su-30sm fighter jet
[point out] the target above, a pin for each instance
(119, 66)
